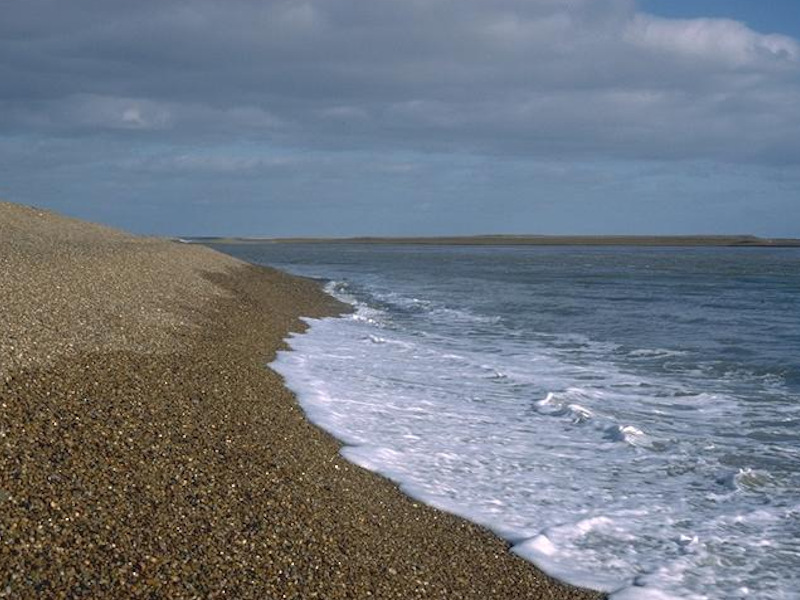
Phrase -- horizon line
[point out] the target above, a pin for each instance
(739, 240)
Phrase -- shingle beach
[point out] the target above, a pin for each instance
(146, 451)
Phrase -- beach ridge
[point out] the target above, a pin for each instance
(148, 452)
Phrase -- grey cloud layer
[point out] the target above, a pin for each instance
(550, 78)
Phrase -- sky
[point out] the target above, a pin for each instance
(405, 117)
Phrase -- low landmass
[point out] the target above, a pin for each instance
(525, 240)
(146, 451)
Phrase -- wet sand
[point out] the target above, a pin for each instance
(146, 451)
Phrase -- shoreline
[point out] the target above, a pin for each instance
(679, 241)
(148, 450)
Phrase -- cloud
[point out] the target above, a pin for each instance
(718, 43)
(210, 164)
(86, 114)
(541, 78)
(105, 112)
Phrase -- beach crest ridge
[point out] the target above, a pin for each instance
(148, 452)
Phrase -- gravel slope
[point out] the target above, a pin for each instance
(146, 452)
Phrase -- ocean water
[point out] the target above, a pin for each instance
(628, 418)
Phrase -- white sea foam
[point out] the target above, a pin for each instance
(602, 473)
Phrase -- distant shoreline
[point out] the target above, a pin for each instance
(746, 241)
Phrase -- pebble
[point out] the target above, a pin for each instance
(147, 452)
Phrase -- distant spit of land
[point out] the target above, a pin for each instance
(524, 240)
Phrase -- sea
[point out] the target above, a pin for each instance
(628, 418)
